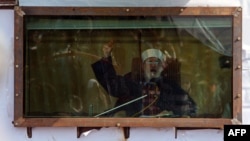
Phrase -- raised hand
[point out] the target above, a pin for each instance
(107, 48)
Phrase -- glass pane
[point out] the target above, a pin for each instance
(128, 67)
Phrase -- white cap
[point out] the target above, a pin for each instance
(152, 53)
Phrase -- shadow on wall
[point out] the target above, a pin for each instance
(3, 56)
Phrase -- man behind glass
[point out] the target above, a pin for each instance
(157, 96)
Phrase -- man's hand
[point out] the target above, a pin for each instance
(107, 49)
(165, 113)
(170, 60)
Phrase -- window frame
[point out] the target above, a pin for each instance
(8, 2)
(21, 121)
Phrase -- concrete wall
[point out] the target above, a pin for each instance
(10, 133)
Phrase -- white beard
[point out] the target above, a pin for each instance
(149, 74)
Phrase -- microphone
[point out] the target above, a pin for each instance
(150, 86)
(151, 89)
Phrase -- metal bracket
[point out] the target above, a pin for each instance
(126, 132)
(29, 132)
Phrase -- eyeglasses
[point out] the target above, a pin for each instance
(152, 62)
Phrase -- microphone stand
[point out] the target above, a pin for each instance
(124, 104)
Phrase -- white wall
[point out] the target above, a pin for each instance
(10, 133)
(129, 3)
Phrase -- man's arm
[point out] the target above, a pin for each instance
(105, 74)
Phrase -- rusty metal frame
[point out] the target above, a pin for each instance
(84, 124)
(8, 3)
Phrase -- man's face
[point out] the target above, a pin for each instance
(152, 68)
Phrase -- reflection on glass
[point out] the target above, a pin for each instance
(128, 67)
